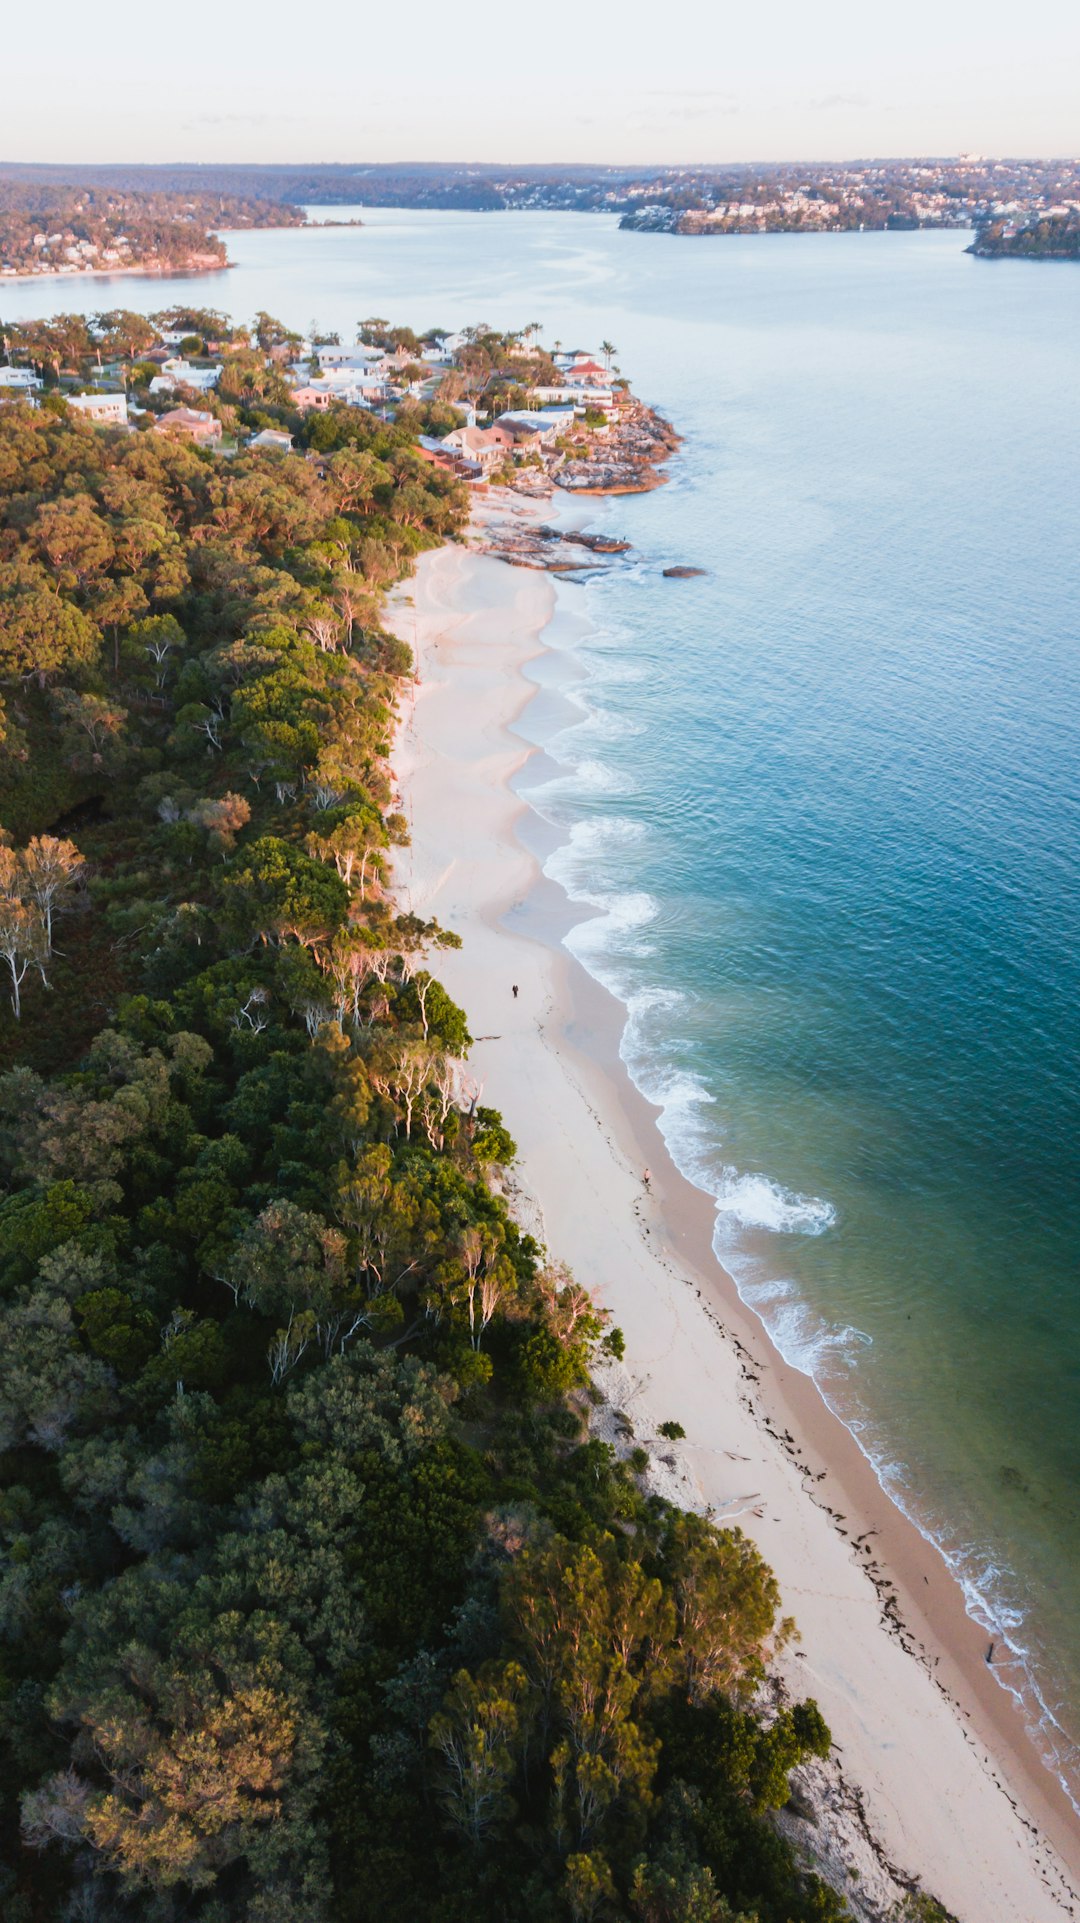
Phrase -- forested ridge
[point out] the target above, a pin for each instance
(317, 1600)
(51, 226)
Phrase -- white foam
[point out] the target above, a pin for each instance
(804, 1338)
(620, 916)
(747, 1203)
(601, 724)
(756, 1202)
(585, 777)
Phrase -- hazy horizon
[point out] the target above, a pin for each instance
(797, 86)
(559, 163)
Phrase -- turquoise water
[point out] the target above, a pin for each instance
(827, 798)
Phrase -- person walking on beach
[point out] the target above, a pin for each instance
(515, 991)
(646, 1178)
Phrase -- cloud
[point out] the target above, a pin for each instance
(830, 102)
(690, 93)
(681, 103)
(240, 120)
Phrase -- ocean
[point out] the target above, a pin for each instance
(826, 798)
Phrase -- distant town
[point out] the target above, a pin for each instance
(171, 219)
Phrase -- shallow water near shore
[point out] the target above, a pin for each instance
(826, 800)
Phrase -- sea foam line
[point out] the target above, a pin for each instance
(750, 1201)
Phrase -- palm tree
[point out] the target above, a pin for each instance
(608, 349)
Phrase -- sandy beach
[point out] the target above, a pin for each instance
(936, 1779)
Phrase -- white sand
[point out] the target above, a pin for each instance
(927, 1738)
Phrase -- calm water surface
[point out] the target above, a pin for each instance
(828, 798)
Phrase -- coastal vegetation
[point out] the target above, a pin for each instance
(1056, 237)
(51, 227)
(318, 1599)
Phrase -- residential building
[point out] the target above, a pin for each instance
(23, 379)
(590, 396)
(521, 425)
(486, 446)
(183, 374)
(579, 394)
(272, 437)
(189, 424)
(359, 386)
(308, 399)
(105, 410)
(357, 358)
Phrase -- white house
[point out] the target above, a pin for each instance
(521, 422)
(272, 437)
(574, 394)
(23, 379)
(183, 374)
(106, 410)
(561, 419)
(357, 358)
(589, 396)
(358, 386)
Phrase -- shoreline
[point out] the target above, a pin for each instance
(116, 273)
(936, 1746)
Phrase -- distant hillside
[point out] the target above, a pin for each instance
(995, 196)
(402, 184)
(61, 226)
(1057, 237)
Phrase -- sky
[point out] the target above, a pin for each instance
(670, 82)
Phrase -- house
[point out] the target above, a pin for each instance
(520, 425)
(22, 379)
(466, 410)
(105, 410)
(272, 437)
(356, 358)
(588, 396)
(561, 418)
(574, 394)
(182, 374)
(359, 386)
(309, 398)
(449, 459)
(485, 446)
(189, 424)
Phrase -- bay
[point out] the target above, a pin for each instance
(827, 799)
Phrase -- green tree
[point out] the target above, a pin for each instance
(477, 1735)
(280, 894)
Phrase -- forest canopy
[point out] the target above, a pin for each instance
(318, 1599)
